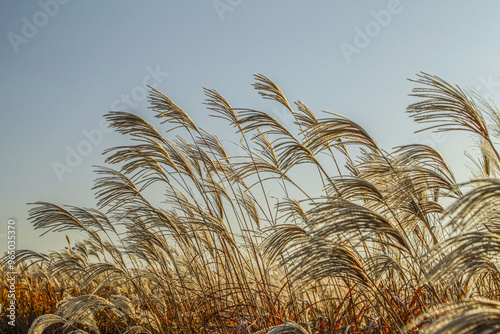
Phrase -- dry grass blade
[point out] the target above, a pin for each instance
(219, 104)
(447, 105)
(378, 265)
(316, 258)
(337, 131)
(250, 119)
(479, 316)
(305, 117)
(150, 157)
(212, 144)
(54, 218)
(134, 125)
(42, 322)
(355, 189)
(473, 254)
(168, 110)
(81, 310)
(280, 238)
(286, 328)
(426, 156)
(269, 90)
(186, 242)
(491, 164)
(337, 217)
(115, 188)
(477, 206)
(136, 330)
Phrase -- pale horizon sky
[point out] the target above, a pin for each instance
(65, 64)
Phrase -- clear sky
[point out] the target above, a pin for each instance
(66, 63)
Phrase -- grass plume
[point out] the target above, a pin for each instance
(388, 242)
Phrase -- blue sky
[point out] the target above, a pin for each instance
(65, 64)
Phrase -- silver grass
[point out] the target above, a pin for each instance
(479, 316)
(286, 328)
(44, 321)
(374, 247)
(168, 111)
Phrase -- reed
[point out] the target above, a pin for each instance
(241, 244)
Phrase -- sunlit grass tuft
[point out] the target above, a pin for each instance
(310, 228)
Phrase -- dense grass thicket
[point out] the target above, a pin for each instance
(387, 242)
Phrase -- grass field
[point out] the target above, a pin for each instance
(387, 242)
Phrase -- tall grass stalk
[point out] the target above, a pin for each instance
(245, 244)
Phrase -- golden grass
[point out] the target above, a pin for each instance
(242, 245)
